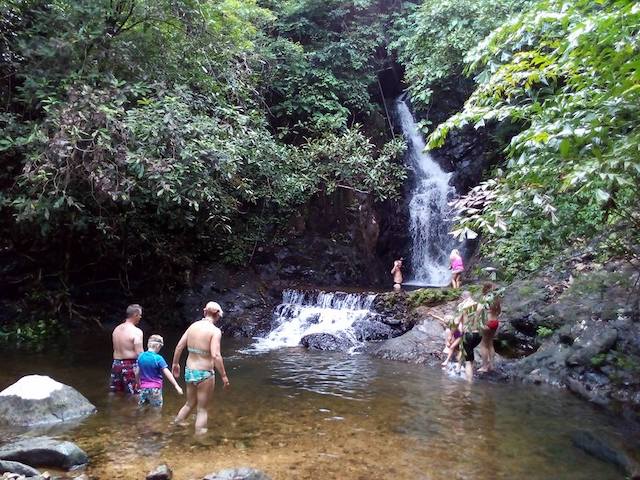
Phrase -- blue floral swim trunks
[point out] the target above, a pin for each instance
(197, 376)
(152, 396)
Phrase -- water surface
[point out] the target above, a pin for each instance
(303, 415)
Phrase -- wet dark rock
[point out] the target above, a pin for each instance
(590, 344)
(421, 344)
(161, 472)
(393, 309)
(372, 330)
(593, 340)
(243, 473)
(18, 468)
(326, 341)
(246, 299)
(607, 451)
(44, 452)
(40, 400)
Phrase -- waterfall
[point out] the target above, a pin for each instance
(304, 312)
(428, 208)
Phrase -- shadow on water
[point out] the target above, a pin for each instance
(299, 414)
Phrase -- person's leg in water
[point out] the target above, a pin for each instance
(488, 352)
(189, 404)
(204, 391)
(453, 348)
(470, 342)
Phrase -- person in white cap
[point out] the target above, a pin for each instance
(202, 340)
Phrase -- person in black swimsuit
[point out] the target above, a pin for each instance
(471, 328)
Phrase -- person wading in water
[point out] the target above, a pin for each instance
(471, 325)
(202, 341)
(491, 307)
(127, 345)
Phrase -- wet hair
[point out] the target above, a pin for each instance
(213, 307)
(496, 304)
(155, 340)
(487, 287)
(133, 309)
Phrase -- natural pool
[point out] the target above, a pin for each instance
(305, 415)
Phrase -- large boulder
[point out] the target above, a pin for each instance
(18, 468)
(371, 330)
(39, 400)
(44, 452)
(243, 473)
(422, 344)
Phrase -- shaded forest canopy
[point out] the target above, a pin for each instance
(141, 134)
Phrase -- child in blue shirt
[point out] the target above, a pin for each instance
(152, 366)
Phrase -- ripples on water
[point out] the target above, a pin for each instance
(299, 414)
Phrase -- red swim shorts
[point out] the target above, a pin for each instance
(493, 324)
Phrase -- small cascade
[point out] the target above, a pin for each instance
(428, 208)
(305, 312)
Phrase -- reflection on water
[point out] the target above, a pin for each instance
(298, 414)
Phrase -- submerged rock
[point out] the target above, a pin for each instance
(39, 400)
(161, 472)
(44, 452)
(243, 473)
(606, 451)
(18, 468)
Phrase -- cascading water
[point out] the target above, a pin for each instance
(428, 208)
(302, 313)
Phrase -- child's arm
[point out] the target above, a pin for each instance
(172, 380)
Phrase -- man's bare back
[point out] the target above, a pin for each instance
(127, 345)
(127, 341)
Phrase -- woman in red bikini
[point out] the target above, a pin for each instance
(492, 308)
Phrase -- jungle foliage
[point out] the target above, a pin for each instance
(143, 132)
(567, 75)
(432, 38)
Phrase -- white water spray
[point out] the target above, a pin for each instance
(303, 313)
(428, 208)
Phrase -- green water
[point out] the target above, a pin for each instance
(297, 414)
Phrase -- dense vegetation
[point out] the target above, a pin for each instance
(139, 137)
(153, 133)
(433, 37)
(566, 75)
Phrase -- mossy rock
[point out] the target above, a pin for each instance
(428, 297)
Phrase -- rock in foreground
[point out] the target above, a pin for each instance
(243, 473)
(18, 468)
(44, 452)
(39, 400)
(161, 472)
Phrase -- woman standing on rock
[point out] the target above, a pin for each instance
(456, 267)
(490, 308)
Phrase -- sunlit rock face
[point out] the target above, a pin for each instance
(40, 400)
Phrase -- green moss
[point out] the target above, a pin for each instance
(598, 360)
(544, 332)
(427, 297)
